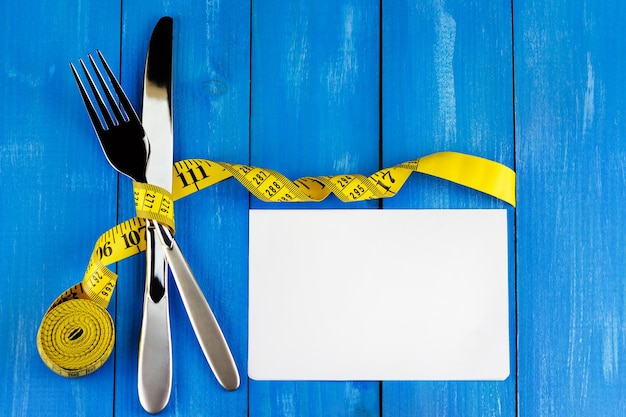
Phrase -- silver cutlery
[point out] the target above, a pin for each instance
(127, 149)
(157, 121)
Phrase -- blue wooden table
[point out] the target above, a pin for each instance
(318, 88)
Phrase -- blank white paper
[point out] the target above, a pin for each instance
(378, 295)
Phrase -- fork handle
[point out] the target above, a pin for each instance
(203, 321)
(154, 375)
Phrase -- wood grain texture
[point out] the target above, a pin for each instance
(315, 80)
(571, 102)
(447, 85)
(57, 195)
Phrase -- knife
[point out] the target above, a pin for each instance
(154, 374)
(157, 122)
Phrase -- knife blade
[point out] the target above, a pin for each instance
(157, 121)
(154, 373)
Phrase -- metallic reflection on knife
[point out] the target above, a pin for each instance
(154, 373)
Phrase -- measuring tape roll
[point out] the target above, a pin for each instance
(77, 333)
(76, 338)
(73, 346)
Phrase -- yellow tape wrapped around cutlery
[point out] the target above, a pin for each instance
(77, 335)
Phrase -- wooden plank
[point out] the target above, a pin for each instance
(211, 113)
(447, 85)
(57, 195)
(315, 111)
(570, 128)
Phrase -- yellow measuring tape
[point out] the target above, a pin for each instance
(77, 335)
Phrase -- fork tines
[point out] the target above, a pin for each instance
(119, 117)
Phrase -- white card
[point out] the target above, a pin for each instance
(378, 295)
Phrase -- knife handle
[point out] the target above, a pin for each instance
(203, 321)
(154, 375)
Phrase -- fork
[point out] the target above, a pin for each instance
(123, 139)
(127, 149)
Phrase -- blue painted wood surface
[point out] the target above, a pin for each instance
(570, 147)
(316, 88)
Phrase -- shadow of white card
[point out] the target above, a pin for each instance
(378, 295)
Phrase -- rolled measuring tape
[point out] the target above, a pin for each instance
(77, 334)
